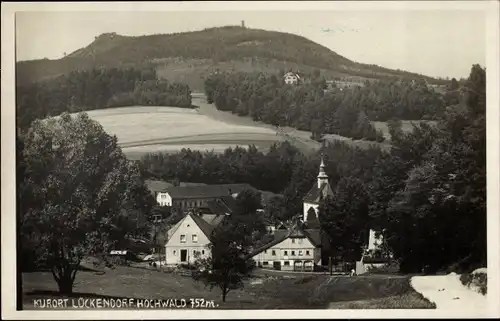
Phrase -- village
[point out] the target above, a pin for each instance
(296, 245)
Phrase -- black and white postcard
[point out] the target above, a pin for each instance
(250, 160)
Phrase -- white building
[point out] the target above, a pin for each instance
(190, 238)
(295, 249)
(291, 78)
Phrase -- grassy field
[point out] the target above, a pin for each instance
(271, 292)
(407, 125)
(149, 129)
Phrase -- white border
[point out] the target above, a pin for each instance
(8, 152)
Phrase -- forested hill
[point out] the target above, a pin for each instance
(199, 52)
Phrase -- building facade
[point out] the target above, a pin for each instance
(291, 78)
(189, 240)
(295, 250)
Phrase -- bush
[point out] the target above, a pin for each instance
(476, 280)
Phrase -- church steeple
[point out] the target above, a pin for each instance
(322, 177)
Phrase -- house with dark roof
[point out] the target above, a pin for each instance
(291, 78)
(190, 237)
(294, 249)
(189, 197)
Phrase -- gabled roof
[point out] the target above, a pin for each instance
(316, 194)
(205, 227)
(213, 219)
(222, 205)
(207, 191)
(290, 73)
(313, 235)
(155, 186)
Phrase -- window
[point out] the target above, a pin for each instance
(307, 252)
(293, 241)
(287, 262)
(163, 196)
(265, 263)
(183, 238)
(293, 253)
(265, 251)
(286, 252)
(174, 252)
(194, 238)
(274, 252)
(202, 251)
(300, 253)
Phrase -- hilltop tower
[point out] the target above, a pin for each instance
(243, 23)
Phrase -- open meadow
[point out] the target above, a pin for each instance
(273, 291)
(144, 129)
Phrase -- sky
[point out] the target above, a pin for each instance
(438, 43)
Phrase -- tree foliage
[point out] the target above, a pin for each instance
(97, 88)
(227, 265)
(80, 195)
(345, 218)
(430, 194)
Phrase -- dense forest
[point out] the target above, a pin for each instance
(231, 43)
(97, 89)
(307, 106)
(426, 195)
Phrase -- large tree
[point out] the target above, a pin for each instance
(435, 217)
(227, 265)
(344, 218)
(80, 195)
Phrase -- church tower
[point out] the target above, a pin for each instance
(316, 194)
(322, 177)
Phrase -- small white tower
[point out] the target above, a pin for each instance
(322, 177)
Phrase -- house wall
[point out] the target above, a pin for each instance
(310, 255)
(175, 247)
(184, 203)
(307, 206)
(362, 268)
(374, 242)
(164, 199)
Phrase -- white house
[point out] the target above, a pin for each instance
(317, 193)
(291, 78)
(295, 249)
(189, 238)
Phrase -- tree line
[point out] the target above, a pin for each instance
(307, 106)
(97, 88)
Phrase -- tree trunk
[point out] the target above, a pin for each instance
(224, 296)
(65, 279)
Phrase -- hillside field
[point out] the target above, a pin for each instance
(146, 129)
(153, 129)
(259, 292)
